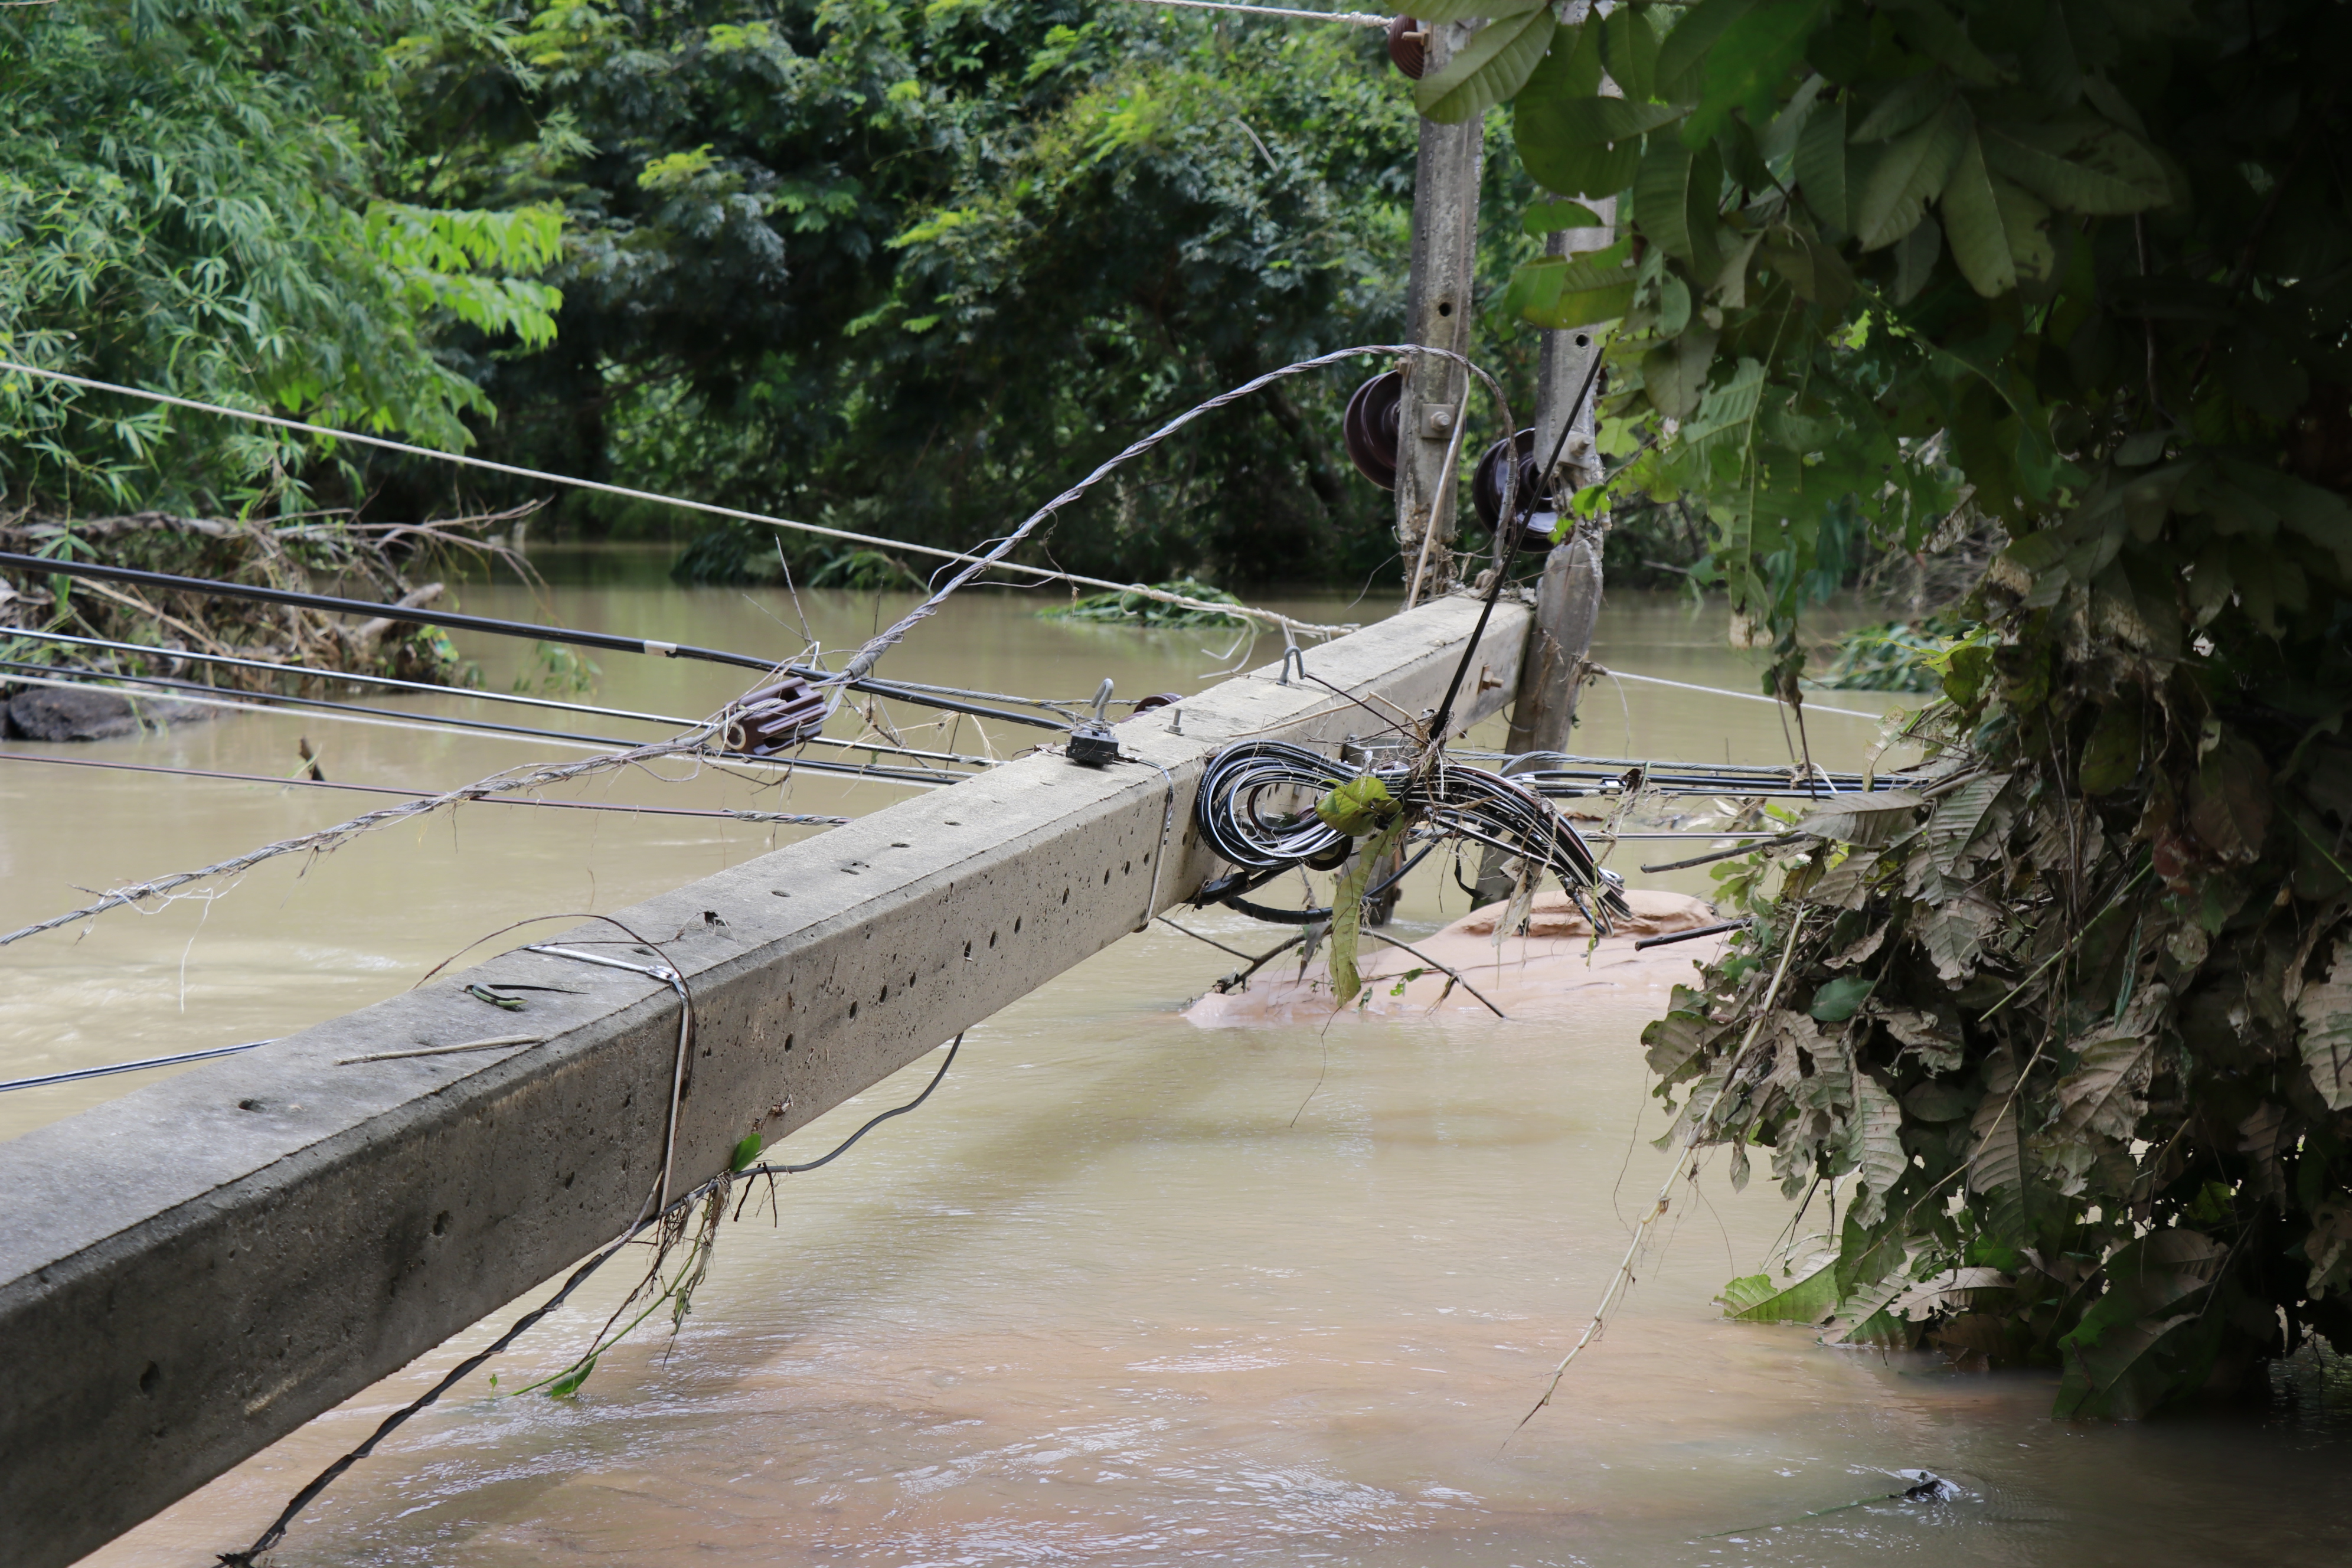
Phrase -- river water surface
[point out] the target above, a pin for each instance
(1126, 1290)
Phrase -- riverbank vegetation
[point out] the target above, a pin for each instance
(2060, 1046)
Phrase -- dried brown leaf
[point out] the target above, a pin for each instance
(2324, 1010)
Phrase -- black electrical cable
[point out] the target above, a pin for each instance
(1511, 521)
(324, 704)
(1455, 801)
(267, 699)
(953, 1047)
(497, 627)
(1273, 916)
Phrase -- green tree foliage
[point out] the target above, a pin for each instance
(201, 200)
(909, 269)
(2074, 1028)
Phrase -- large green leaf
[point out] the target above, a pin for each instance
(1629, 47)
(1491, 68)
(1682, 57)
(1674, 375)
(1909, 175)
(1935, 33)
(1973, 226)
(1598, 120)
(1755, 1299)
(1821, 166)
(1565, 143)
(1676, 192)
(2079, 164)
(1745, 68)
(1561, 291)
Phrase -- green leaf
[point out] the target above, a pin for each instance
(1683, 56)
(1972, 224)
(1358, 806)
(2111, 756)
(1347, 904)
(2078, 164)
(1546, 218)
(1629, 47)
(1675, 194)
(1674, 375)
(569, 1384)
(1565, 291)
(1495, 64)
(1909, 175)
(1821, 166)
(1745, 68)
(1837, 999)
(1814, 270)
(1756, 1299)
(1563, 140)
(745, 1151)
(1932, 30)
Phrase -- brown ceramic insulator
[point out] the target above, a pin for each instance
(1369, 428)
(1486, 482)
(1409, 47)
(775, 717)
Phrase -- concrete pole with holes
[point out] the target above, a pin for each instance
(1437, 312)
(1568, 597)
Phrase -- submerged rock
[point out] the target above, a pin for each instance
(90, 713)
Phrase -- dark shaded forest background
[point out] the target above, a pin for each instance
(902, 269)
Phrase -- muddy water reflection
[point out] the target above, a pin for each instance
(1127, 1290)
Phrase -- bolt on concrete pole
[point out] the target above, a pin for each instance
(1437, 313)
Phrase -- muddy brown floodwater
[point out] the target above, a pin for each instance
(1127, 1289)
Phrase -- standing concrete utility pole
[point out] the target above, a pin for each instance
(1568, 599)
(1437, 313)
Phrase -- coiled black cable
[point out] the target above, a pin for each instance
(1251, 813)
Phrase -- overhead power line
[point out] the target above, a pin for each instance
(1351, 19)
(498, 627)
(712, 508)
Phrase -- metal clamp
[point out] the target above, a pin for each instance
(1091, 742)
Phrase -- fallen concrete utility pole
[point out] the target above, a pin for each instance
(191, 1272)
